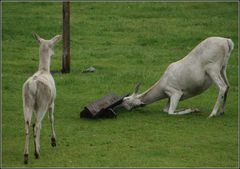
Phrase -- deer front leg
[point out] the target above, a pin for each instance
(187, 111)
(175, 96)
(166, 108)
(174, 99)
(180, 112)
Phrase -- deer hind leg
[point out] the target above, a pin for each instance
(222, 95)
(51, 119)
(224, 77)
(28, 108)
(37, 128)
(27, 117)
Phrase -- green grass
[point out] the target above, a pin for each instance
(127, 43)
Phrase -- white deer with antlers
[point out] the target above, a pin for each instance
(39, 93)
(190, 76)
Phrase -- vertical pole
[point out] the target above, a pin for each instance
(66, 37)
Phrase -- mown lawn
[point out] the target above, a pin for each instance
(127, 43)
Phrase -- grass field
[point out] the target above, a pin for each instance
(127, 43)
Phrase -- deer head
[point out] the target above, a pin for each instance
(46, 50)
(133, 100)
(47, 45)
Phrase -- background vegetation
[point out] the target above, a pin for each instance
(127, 43)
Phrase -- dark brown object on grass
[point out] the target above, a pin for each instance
(102, 107)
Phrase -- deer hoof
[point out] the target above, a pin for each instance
(211, 116)
(53, 142)
(221, 113)
(195, 110)
(37, 156)
(25, 158)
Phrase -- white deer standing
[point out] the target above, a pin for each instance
(39, 93)
(190, 76)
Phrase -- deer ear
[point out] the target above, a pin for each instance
(137, 88)
(55, 40)
(37, 37)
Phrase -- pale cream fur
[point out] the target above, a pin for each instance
(190, 76)
(39, 93)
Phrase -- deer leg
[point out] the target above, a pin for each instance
(37, 128)
(187, 111)
(51, 119)
(181, 111)
(222, 86)
(28, 116)
(166, 108)
(224, 77)
(174, 99)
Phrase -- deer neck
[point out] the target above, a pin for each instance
(44, 61)
(153, 94)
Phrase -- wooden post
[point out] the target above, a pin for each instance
(66, 37)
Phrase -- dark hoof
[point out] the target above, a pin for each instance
(195, 110)
(37, 156)
(53, 142)
(222, 113)
(25, 158)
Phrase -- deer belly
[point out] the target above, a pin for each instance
(196, 88)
